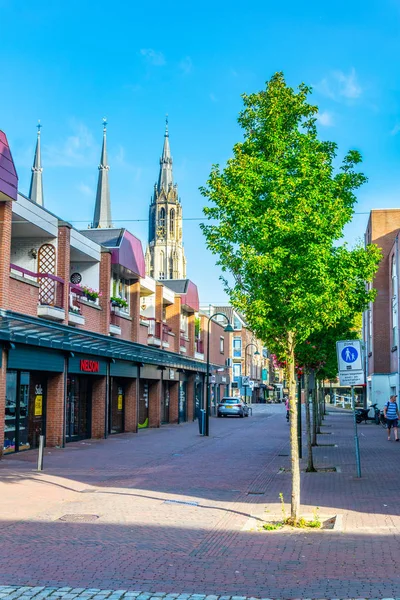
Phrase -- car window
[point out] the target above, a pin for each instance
(230, 400)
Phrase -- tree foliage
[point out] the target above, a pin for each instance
(276, 213)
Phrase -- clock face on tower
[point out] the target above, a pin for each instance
(160, 231)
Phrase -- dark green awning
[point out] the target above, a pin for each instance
(23, 329)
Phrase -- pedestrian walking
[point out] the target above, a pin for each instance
(392, 415)
(287, 406)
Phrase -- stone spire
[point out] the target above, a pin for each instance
(165, 179)
(36, 187)
(102, 211)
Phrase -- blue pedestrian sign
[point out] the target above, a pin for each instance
(350, 362)
(349, 354)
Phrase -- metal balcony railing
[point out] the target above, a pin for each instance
(51, 287)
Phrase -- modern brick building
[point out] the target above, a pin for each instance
(381, 320)
(89, 344)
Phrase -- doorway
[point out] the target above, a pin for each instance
(79, 408)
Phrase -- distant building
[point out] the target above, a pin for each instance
(165, 256)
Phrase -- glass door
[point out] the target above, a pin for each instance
(10, 430)
(165, 403)
(23, 412)
(143, 404)
(182, 401)
(79, 404)
(117, 407)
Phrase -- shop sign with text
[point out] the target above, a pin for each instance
(89, 366)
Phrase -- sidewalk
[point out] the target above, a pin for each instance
(169, 511)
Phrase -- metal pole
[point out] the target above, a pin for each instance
(40, 455)
(245, 373)
(358, 462)
(207, 424)
(299, 418)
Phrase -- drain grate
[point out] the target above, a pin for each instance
(187, 502)
(79, 518)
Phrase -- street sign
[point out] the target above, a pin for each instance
(350, 365)
(349, 355)
(351, 378)
(251, 384)
(245, 380)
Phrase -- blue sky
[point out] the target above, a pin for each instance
(70, 64)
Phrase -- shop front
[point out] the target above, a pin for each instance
(82, 373)
(122, 373)
(182, 398)
(148, 385)
(198, 396)
(26, 396)
(165, 401)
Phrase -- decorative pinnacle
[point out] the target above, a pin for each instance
(39, 127)
(166, 124)
(105, 124)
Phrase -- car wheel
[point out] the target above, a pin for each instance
(241, 415)
(219, 415)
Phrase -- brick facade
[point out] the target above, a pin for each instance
(55, 410)
(24, 296)
(173, 402)
(131, 407)
(155, 390)
(99, 392)
(63, 262)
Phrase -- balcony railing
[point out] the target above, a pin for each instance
(75, 292)
(51, 287)
(165, 331)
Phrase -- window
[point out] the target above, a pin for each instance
(172, 221)
(237, 371)
(121, 289)
(237, 347)
(221, 344)
(237, 323)
(161, 217)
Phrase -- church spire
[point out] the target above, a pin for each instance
(165, 179)
(102, 211)
(36, 187)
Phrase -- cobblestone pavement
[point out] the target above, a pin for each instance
(169, 510)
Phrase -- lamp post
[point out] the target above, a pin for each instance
(228, 329)
(256, 353)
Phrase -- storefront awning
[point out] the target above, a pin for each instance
(21, 329)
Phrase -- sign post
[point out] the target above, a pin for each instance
(351, 373)
(245, 384)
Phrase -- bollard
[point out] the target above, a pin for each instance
(40, 455)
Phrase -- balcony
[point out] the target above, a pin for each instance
(183, 341)
(199, 349)
(50, 295)
(166, 332)
(75, 316)
(115, 327)
(154, 332)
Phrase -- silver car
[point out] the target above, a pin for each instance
(232, 407)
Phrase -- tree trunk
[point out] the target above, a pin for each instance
(310, 463)
(314, 417)
(317, 407)
(294, 444)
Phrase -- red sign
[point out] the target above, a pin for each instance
(90, 366)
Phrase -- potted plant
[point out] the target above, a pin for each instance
(118, 302)
(90, 293)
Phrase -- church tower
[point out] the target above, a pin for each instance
(165, 257)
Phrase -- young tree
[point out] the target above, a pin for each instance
(278, 207)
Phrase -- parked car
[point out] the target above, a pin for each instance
(232, 406)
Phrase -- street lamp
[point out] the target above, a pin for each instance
(256, 353)
(228, 329)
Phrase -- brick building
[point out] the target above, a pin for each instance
(381, 320)
(247, 356)
(90, 345)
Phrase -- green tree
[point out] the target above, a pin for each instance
(277, 209)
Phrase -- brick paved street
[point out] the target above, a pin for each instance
(169, 511)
